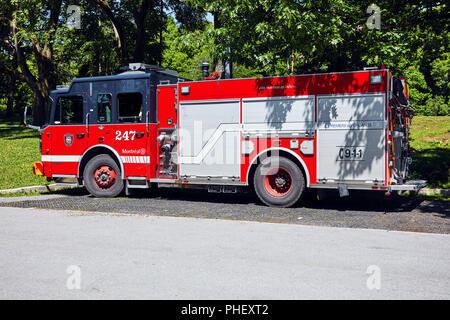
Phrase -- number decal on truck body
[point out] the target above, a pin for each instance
(350, 153)
(126, 136)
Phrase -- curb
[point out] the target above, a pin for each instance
(43, 188)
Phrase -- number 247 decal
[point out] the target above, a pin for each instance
(126, 136)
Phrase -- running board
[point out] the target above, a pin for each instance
(411, 185)
(137, 184)
(66, 181)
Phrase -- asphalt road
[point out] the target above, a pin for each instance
(98, 255)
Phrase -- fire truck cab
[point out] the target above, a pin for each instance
(279, 135)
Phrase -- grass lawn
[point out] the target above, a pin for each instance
(430, 141)
(19, 148)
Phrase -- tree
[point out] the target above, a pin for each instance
(88, 51)
(139, 25)
(260, 37)
(294, 37)
(185, 50)
(109, 8)
(275, 36)
(33, 25)
(7, 59)
(440, 70)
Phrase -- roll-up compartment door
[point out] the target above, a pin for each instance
(210, 138)
(351, 137)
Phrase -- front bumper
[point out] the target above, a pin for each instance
(38, 168)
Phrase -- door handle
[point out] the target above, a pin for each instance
(80, 135)
(147, 120)
(139, 134)
(87, 123)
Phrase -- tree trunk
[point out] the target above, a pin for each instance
(161, 45)
(39, 108)
(43, 54)
(10, 97)
(118, 30)
(140, 15)
(139, 49)
(217, 65)
(42, 87)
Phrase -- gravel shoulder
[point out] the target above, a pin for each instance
(369, 210)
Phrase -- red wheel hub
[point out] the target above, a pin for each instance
(278, 182)
(105, 177)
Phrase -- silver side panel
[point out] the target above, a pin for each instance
(210, 138)
(351, 107)
(278, 114)
(351, 138)
(210, 130)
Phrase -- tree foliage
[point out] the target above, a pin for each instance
(260, 37)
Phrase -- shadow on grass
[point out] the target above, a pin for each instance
(431, 164)
(13, 128)
(79, 191)
(21, 137)
(13, 131)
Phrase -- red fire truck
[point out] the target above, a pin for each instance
(148, 127)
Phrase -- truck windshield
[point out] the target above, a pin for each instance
(130, 107)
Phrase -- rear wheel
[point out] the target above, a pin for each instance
(279, 182)
(102, 177)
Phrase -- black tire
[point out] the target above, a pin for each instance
(287, 171)
(115, 184)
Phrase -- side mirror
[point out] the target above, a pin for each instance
(28, 118)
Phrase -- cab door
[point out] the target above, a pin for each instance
(131, 135)
(68, 135)
(101, 115)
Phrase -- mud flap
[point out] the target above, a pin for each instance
(343, 190)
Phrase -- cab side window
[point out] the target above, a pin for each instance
(130, 107)
(104, 105)
(69, 110)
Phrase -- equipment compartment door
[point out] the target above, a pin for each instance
(210, 138)
(351, 137)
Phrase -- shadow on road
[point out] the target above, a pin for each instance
(367, 209)
(357, 201)
(362, 201)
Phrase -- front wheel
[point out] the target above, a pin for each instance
(279, 182)
(102, 177)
